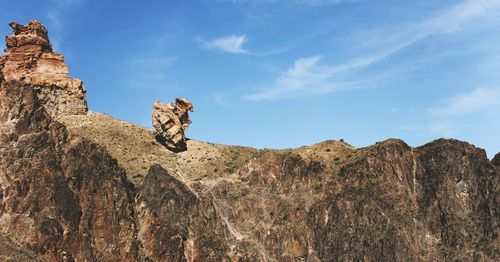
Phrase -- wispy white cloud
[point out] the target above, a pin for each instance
(229, 44)
(474, 101)
(288, 2)
(221, 99)
(460, 15)
(57, 9)
(248, 1)
(398, 38)
(443, 127)
(153, 68)
(304, 73)
(306, 76)
(55, 15)
(147, 72)
(449, 117)
(267, 9)
(324, 2)
(233, 44)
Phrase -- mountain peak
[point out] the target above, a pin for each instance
(32, 34)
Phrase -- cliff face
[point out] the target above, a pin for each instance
(78, 186)
(436, 201)
(61, 197)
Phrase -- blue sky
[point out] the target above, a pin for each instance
(279, 74)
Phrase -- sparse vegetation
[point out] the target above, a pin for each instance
(8, 259)
(9, 251)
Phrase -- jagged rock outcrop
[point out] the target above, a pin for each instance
(61, 197)
(29, 60)
(171, 122)
(435, 202)
(65, 198)
(176, 224)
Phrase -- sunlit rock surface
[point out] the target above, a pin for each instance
(171, 122)
(29, 60)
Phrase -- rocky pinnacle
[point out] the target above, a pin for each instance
(29, 60)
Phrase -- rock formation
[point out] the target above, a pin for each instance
(67, 193)
(171, 122)
(60, 197)
(29, 60)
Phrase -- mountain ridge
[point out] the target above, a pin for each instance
(76, 185)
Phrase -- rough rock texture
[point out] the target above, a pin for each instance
(171, 122)
(29, 60)
(60, 197)
(10, 251)
(192, 232)
(137, 155)
(93, 188)
(395, 202)
(54, 190)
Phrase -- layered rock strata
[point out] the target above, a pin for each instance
(29, 60)
(171, 122)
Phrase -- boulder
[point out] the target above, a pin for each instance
(171, 122)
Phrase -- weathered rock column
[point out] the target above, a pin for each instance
(171, 122)
(29, 60)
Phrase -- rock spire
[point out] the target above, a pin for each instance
(171, 122)
(29, 60)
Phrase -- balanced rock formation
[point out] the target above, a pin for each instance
(29, 60)
(171, 122)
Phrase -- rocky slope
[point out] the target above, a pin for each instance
(82, 186)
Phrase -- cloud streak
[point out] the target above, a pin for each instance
(232, 44)
(296, 2)
(303, 74)
(447, 21)
(308, 77)
(55, 15)
(148, 72)
(453, 114)
(478, 100)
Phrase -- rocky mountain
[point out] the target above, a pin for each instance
(82, 186)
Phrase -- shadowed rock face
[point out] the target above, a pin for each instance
(60, 197)
(65, 198)
(436, 201)
(161, 231)
(174, 224)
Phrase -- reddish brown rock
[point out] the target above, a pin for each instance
(171, 122)
(65, 198)
(29, 60)
(60, 197)
(175, 224)
(33, 34)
